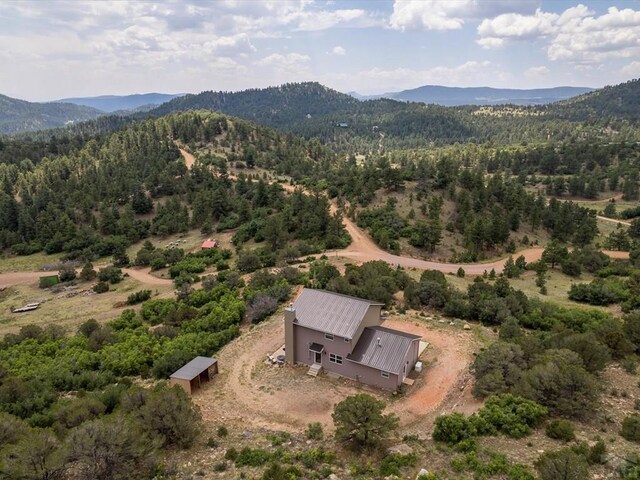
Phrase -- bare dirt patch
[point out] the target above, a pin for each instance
(249, 392)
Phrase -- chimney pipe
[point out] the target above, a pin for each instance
(379, 342)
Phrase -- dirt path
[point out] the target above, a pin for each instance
(251, 393)
(363, 249)
(189, 159)
(446, 360)
(617, 197)
(613, 220)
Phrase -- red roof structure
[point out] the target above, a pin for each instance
(209, 243)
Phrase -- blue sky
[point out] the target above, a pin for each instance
(54, 49)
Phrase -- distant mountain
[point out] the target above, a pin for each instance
(345, 122)
(618, 101)
(22, 116)
(313, 110)
(113, 103)
(272, 106)
(457, 96)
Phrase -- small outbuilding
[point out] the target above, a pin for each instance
(208, 243)
(198, 371)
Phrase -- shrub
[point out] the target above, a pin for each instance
(453, 428)
(562, 464)
(67, 272)
(139, 297)
(394, 463)
(170, 415)
(631, 428)
(231, 454)
(87, 273)
(514, 416)
(260, 307)
(275, 471)
(314, 456)
(211, 443)
(560, 430)
(222, 431)
(101, 287)
(360, 422)
(597, 453)
(252, 457)
(314, 431)
(220, 467)
(110, 274)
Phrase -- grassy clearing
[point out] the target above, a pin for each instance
(604, 229)
(558, 285)
(27, 263)
(67, 312)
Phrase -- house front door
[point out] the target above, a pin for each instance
(317, 357)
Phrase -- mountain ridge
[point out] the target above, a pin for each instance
(117, 103)
(22, 116)
(459, 96)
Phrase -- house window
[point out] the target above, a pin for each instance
(384, 374)
(337, 359)
(328, 336)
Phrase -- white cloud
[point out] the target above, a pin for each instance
(449, 14)
(576, 35)
(632, 69)
(515, 25)
(537, 72)
(339, 50)
(290, 60)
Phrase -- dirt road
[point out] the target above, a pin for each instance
(613, 220)
(251, 393)
(189, 159)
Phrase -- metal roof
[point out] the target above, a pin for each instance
(194, 368)
(388, 355)
(330, 312)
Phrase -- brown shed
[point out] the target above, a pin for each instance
(198, 371)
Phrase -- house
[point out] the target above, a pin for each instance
(192, 375)
(208, 243)
(343, 335)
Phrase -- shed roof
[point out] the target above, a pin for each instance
(209, 244)
(388, 355)
(194, 368)
(330, 312)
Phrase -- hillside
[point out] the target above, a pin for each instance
(115, 103)
(456, 96)
(22, 116)
(348, 124)
(281, 106)
(313, 110)
(617, 101)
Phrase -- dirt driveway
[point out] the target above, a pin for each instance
(249, 392)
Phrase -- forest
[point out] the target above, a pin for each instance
(551, 335)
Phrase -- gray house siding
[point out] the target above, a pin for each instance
(304, 337)
(373, 376)
(365, 357)
(410, 359)
(371, 319)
